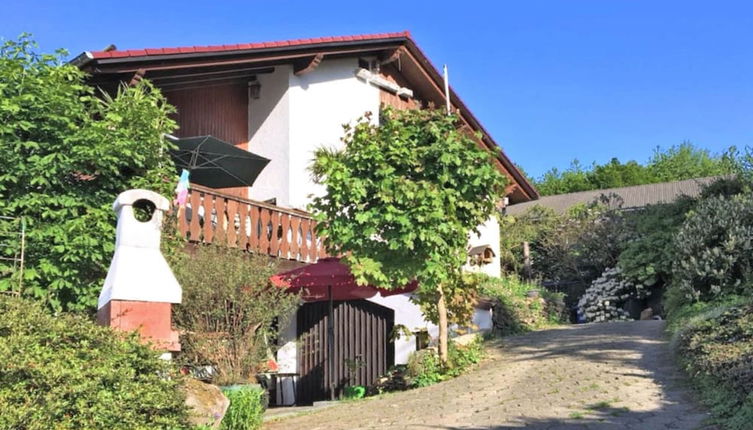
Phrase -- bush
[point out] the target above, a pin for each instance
(246, 408)
(67, 154)
(65, 372)
(570, 250)
(424, 367)
(715, 343)
(520, 306)
(604, 299)
(714, 250)
(647, 258)
(230, 313)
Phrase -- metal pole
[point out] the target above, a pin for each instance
(331, 345)
(447, 89)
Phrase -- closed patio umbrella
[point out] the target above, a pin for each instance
(328, 280)
(215, 163)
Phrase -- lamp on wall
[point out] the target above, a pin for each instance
(254, 89)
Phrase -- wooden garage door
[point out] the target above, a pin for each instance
(361, 330)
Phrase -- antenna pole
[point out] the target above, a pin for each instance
(447, 89)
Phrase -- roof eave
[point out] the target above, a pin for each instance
(522, 181)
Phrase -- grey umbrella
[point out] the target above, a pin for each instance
(215, 163)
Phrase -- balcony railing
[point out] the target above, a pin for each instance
(213, 217)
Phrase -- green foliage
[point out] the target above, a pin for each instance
(532, 226)
(402, 197)
(67, 154)
(604, 299)
(679, 162)
(353, 392)
(714, 249)
(401, 200)
(230, 311)
(65, 372)
(517, 310)
(647, 258)
(716, 349)
(246, 410)
(424, 367)
(572, 249)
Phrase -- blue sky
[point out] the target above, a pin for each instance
(550, 80)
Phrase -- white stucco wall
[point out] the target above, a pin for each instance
(294, 116)
(408, 314)
(482, 319)
(320, 103)
(488, 234)
(287, 362)
(269, 133)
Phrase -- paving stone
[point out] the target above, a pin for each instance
(585, 377)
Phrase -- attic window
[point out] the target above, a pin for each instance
(480, 255)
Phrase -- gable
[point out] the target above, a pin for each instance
(399, 59)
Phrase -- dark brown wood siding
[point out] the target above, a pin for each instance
(361, 331)
(217, 110)
(388, 98)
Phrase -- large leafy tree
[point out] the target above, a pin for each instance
(67, 153)
(401, 199)
(684, 161)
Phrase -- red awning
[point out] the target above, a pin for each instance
(315, 280)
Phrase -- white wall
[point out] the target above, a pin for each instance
(408, 314)
(269, 132)
(287, 362)
(322, 101)
(488, 234)
(482, 319)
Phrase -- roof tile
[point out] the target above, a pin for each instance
(243, 46)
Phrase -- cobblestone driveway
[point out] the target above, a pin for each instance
(596, 376)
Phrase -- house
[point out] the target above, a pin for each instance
(630, 198)
(282, 100)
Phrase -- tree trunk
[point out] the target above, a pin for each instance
(442, 312)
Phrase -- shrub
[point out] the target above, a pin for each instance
(65, 372)
(230, 313)
(570, 250)
(520, 306)
(246, 408)
(647, 258)
(715, 344)
(714, 250)
(604, 299)
(424, 367)
(67, 154)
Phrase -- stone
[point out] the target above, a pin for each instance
(465, 339)
(647, 314)
(206, 402)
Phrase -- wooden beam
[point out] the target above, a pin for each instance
(306, 65)
(137, 77)
(388, 57)
(104, 67)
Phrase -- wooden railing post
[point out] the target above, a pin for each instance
(211, 216)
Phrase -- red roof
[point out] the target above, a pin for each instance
(245, 46)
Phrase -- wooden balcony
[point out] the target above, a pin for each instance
(246, 224)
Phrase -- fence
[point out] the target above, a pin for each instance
(254, 226)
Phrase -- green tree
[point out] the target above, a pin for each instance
(574, 179)
(615, 174)
(68, 152)
(401, 199)
(685, 161)
(677, 163)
